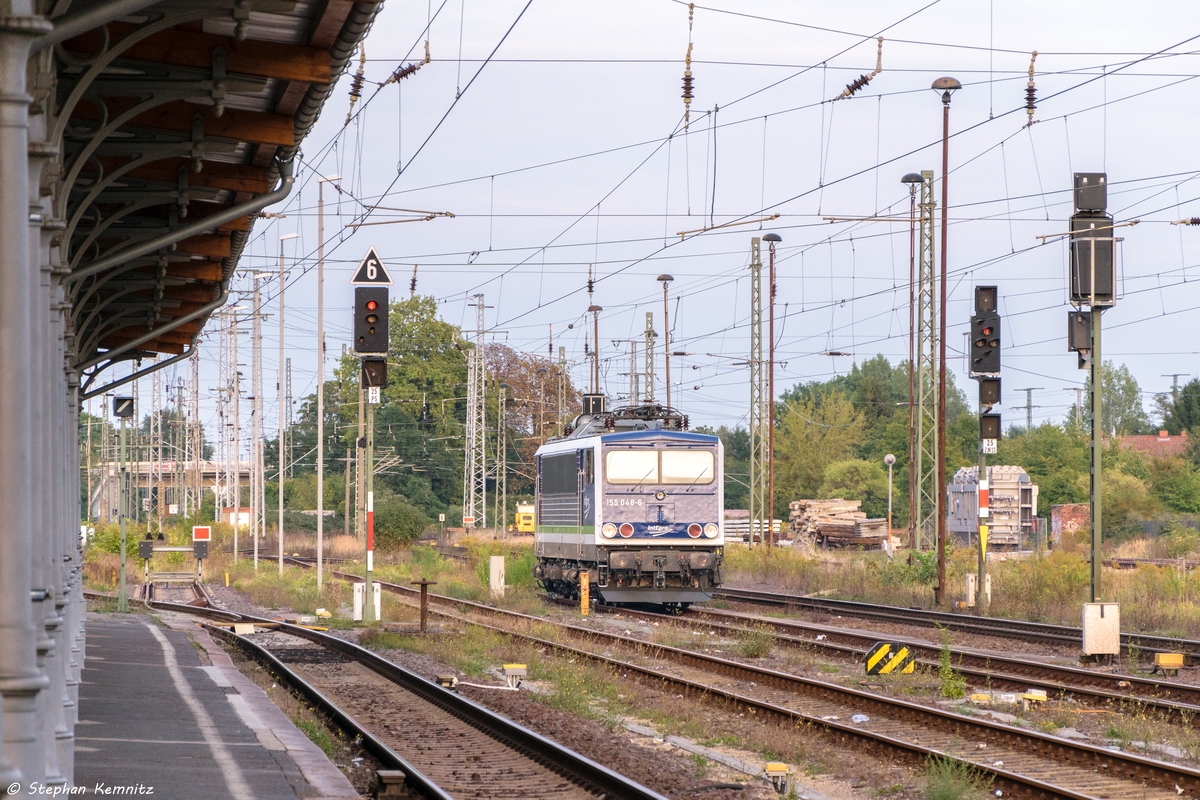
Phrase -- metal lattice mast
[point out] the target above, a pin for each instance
(155, 493)
(758, 398)
(927, 377)
(286, 460)
(258, 517)
(196, 451)
(221, 473)
(501, 458)
(634, 389)
(561, 401)
(648, 379)
(475, 463)
(235, 391)
(179, 439)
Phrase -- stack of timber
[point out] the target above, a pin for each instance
(836, 523)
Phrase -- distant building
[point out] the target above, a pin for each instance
(1069, 518)
(1164, 445)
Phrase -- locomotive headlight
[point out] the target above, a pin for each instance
(711, 530)
(608, 530)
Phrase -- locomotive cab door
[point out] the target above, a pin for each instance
(587, 497)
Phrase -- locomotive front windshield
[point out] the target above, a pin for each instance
(650, 467)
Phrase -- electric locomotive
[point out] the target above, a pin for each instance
(633, 501)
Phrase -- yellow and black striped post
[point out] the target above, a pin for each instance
(888, 657)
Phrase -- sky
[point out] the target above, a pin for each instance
(555, 134)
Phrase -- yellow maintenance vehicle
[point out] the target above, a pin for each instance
(525, 518)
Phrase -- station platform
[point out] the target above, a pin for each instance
(164, 712)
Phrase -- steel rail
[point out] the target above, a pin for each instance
(1179, 701)
(1099, 760)
(550, 754)
(533, 745)
(389, 758)
(985, 626)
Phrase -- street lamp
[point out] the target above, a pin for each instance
(321, 373)
(912, 180)
(945, 86)
(666, 281)
(282, 415)
(772, 239)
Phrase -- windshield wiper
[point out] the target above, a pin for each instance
(643, 479)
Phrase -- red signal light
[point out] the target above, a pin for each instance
(372, 305)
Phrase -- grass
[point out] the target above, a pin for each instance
(951, 682)
(949, 779)
(1048, 587)
(380, 639)
(317, 734)
(756, 642)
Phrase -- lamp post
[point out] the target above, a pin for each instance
(282, 414)
(772, 239)
(912, 180)
(945, 86)
(666, 281)
(321, 374)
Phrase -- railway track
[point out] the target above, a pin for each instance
(1179, 702)
(458, 749)
(1016, 760)
(984, 626)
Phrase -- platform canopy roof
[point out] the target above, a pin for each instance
(175, 123)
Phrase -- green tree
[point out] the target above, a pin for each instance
(857, 480)
(815, 430)
(1122, 411)
(1055, 456)
(1127, 500)
(1176, 484)
(737, 463)
(1181, 408)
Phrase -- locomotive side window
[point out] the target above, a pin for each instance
(631, 466)
(692, 467)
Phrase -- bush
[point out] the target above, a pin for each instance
(299, 522)
(1179, 540)
(107, 538)
(397, 522)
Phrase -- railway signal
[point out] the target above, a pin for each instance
(985, 368)
(985, 345)
(374, 373)
(370, 282)
(370, 320)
